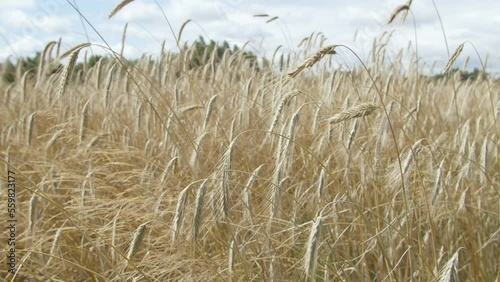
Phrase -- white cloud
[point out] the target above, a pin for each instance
(7, 4)
(137, 11)
(21, 46)
(233, 20)
(25, 24)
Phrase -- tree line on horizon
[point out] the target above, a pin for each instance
(202, 53)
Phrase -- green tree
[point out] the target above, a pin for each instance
(26, 64)
(91, 61)
(203, 52)
(9, 72)
(464, 75)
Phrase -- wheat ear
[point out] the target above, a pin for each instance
(313, 59)
(210, 107)
(58, 49)
(41, 66)
(380, 137)
(113, 234)
(484, 160)
(179, 213)
(29, 133)
(57, 236)
(226, 168)
(247, 195)
(32, 212)
(119, 7)
(437, 185)
(321, 184)
(360, 110)
(84, 120)
(199, 204)
(136, 240)
(449, 273)
(453, 58)
(124, 34)
(396, 12)
(181, 29)
(231, 257)
(68, 69)
(170, 167)
(54, 138)
(311, 248)
(403, 19)
(282, 104)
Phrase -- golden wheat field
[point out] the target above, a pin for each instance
(289, 170)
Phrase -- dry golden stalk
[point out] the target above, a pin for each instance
(396, 12)
(453, 58)
(328, 50)
(360, 110)
(119, 7)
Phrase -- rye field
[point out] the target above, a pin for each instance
(279, 169)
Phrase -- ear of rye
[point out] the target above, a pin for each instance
(119, 7)
(68, 69)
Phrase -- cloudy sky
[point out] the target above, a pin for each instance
(27, 25)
